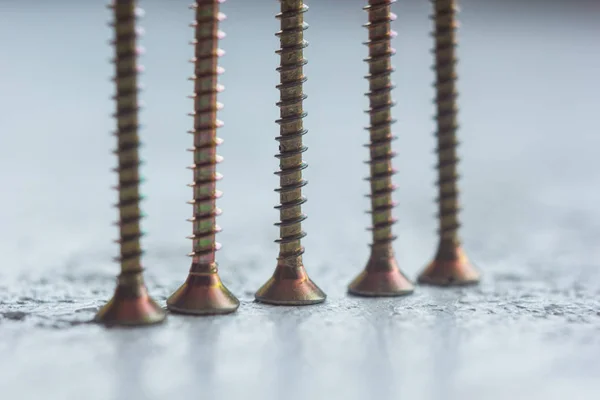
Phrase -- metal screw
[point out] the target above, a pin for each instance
(131, 304)
(290, 284)
(450, 265)
(203, 292)
(381, 276)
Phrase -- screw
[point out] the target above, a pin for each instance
(203, 293)
(381, 276)
(290, 284)
(450, 265)
(131, 304)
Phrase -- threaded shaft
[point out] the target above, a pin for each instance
(445, 61)
(291, 165)
(128, 142)
(381, 121)
(206, 89)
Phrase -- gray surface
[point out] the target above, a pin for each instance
(528, 83)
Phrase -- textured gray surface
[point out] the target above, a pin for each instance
(528, 83)
(523, 334)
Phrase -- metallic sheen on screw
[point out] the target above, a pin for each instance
(131, 304)
(290, 284)
(381, 276)
(451, 265)
(203, 293)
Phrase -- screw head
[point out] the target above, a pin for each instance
(130, 306)
(203, 293)
(450, 267)
(381, 278)
(290, 286)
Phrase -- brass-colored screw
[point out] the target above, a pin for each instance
(131, 304)
(203, 293)
(450, 265)
(381, 276)
(290, 284)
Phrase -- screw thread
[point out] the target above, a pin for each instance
(291, 148)
(128, 143)
(206, 106)
(445, 61)
(381, 121)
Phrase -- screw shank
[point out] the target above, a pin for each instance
(445, 61)
(204, 132)
(127, 135)
(380, 128)
(291, 147)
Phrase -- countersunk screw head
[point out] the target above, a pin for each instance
(131, 305)
(381, 277)
(450, 267)
(203, 293)
(290, 286)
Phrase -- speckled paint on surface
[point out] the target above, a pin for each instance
(530, 193)
(530, 334)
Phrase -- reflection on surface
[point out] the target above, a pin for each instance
(444, 349)
(202, 348)
(290, 375)
(130, 358)
(376, 367)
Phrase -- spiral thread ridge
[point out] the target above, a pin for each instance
(381, 121)
(128, 142)
(444, 18)
(291, 165)
(205, 140)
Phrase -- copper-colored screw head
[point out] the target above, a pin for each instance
(203, 293)
(290, 284)
(131, 304)
(381, 277)
(450, 266)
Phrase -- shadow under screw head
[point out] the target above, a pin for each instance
(203, 293)
(290, 286)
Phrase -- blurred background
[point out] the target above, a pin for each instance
(528, 81)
